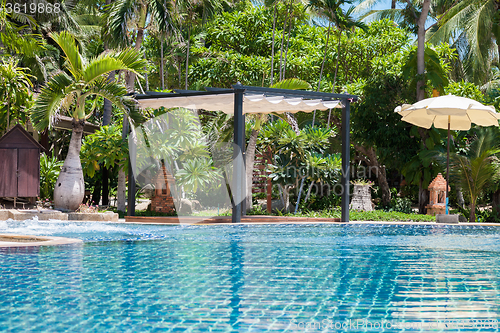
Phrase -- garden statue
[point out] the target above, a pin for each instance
(362, 196)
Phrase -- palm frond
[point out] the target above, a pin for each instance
(116, 92)
(364, 5)
(101, 66)
(48, 103)
(117, 17)
(295, 84)
(160, 10)
(67, 43)
(132, 59)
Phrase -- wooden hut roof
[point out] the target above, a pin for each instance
(18, 137)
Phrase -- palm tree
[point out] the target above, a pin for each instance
(473, 27)
(187, 13)
(478, 168)
(139, 14)
(345, 22)
(332, 11)
(67, 93)
(329, 10)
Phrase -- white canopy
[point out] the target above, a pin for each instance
(251, 103)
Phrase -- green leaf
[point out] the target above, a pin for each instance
(429, 143)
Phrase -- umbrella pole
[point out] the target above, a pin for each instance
(448, 166)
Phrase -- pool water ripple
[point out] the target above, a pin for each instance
(259, 278)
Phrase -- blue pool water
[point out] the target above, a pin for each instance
(139, 278)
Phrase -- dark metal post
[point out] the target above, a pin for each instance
(238, 164)
(346, 154)
(131, 191)
(131, 179)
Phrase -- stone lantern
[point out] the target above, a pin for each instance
(437, 196)
(361, 198)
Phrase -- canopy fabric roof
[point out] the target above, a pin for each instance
(254, 103)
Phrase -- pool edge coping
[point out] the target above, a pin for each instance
(18, 241)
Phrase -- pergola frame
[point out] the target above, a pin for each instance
(239, 177)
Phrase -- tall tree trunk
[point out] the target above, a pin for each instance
(309, 191)
(322, 65)
(120, 197)
(179, 70)
(472, 217)
(187, 57)
(106, 120)
(393, 4)
(293, 122)
(324, 56)
(272, 45)
(300, 193)
(283, 39)
(460, 197)
(8, 115)
(249, 165)
(421, 49)
(108, 107)
(69, 190)
(372, 161)
(131, 76)
(337, 62)
(120, 193)
(161, 65)
(423, 197)
(285, 197)
(422, 193)
(121, 189)
(96, 195)
(286, 50)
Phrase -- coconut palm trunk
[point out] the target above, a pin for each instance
(161, 65)
(283, 40)
(322, 65)
(336, 64)
(421, 49)
(70, 186)
(286, 50)
(272, 45)
(422, 192)
(187, 57)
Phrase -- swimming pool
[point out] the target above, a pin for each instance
(252, 278)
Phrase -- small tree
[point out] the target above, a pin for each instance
(66, 93)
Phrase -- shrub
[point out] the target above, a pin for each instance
(402, 205)
(49, 171)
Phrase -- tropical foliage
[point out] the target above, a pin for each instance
(49, 171)
(478, 167)
(83, 61)
(66, 92)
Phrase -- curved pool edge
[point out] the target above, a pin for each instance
(14, 240)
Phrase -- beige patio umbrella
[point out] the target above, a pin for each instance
(448, 112)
